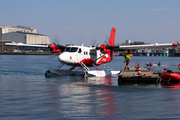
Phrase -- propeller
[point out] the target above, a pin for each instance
(55, 47)
(106, 40)
(93, 42)
(97, 45)
(105, 48)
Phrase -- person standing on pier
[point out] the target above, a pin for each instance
(127, 60)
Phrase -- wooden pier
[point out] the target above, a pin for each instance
(142, 74)
(134, 75)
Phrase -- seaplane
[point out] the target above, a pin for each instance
(82, 58)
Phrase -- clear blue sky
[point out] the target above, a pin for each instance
(81, 21)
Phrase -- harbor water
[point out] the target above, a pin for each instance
(25, 92)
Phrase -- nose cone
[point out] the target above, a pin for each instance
(66, 58)
(61, 58)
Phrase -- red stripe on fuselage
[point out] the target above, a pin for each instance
(88, 62)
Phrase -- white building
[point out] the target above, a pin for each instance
(22, 34)
(128, 42)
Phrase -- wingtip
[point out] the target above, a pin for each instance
(174, 44)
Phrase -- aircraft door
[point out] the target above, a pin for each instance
(79, 55)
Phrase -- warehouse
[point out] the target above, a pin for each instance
(22, 34)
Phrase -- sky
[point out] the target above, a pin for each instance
(86, 21)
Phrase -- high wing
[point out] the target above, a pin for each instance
(132, 47)
(156, 45)
(25, 45)
(53, 47)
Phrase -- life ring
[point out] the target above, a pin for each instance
(179, 66)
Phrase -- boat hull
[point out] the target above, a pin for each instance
(170, 76)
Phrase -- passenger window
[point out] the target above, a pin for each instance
(80, 50)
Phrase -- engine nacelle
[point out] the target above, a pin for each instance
(56, 51)
(53, 48)
(104, 50)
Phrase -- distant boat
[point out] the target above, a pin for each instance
(15, 50)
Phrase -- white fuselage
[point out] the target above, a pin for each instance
(74, 55)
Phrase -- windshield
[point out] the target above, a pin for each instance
(71, 49)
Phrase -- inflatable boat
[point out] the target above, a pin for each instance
(170, 76)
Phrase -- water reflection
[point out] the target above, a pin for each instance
(95, 96)
(76, 98)
(113, 81)
(108, 107)
(108, 80)
(171, 85)
(106, 95)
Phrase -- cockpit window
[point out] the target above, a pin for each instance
(71, 49)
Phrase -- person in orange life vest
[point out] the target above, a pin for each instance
(127, 60)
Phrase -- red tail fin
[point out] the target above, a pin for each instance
(112, 41)
(112, 37)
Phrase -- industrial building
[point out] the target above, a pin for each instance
(21, 34)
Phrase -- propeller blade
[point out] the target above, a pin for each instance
(106, 42)
(57, 40)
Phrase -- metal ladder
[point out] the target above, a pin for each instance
(105, 66)
(84, 66)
